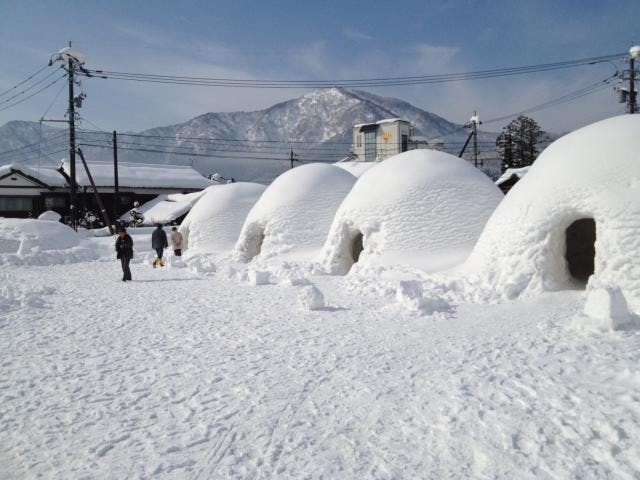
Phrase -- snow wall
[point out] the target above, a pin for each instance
(592, 175)
(294, 213)
(213, 224)
(422, 208)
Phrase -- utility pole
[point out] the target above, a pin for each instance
(628, 94)
(473, 124)
(72, 142)
(292, 156)
(116, 192)
(634, 53)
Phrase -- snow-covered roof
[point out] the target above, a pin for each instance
(294, 213)
(594, 173)
(380, 122)
(510, 172)
(46, 174)
(213, 224)
(423, 208)
(141, 175)
(166, 208)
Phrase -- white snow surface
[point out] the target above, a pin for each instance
(50, 215)
(293, 215)
(510, 172)
(356, 168)
(214, 223)
(423, 207)
(593, 172)
(166, 208)
(141, 175)
(183, 375)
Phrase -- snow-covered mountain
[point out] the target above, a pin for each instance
(246, 145)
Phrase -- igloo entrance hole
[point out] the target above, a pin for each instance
(580, 249)
(357, 246)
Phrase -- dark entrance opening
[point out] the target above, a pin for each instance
(581, 251)
(356, 247)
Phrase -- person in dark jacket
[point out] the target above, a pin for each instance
(124, 252)
(159, 243)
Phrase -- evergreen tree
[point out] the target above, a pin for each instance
(518, 142)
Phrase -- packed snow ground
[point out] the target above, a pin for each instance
(189, 375)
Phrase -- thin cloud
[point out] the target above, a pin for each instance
(353, 34)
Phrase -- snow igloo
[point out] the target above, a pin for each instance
(214, 223)
(293, 215)
(421, 208)
(573, 219)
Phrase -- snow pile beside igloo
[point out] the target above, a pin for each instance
(294, 213)
(214, 223)
(18, 235)
(576, 212)
(422, 208)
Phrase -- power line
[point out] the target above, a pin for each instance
(24, 81)
(30, 87)
(33, 94)
(349, 83)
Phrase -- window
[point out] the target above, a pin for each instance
(16, 204)
(358, 140)
(370, 146)
(54, 202)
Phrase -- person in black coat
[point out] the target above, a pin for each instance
(124, 252)
(159, 243)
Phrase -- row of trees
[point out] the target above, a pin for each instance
(518, 142)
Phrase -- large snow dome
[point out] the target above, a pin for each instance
(294, 213)
(424, 208)
(576, 213)
(214, 222)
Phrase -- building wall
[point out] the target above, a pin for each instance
(388, 140)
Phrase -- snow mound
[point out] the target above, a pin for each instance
(258, 277)
(423, 208)
(410, 296)
(605, 309)
(50, 215)
(356, 168)
(294, 213)
(311, 298)
(166, 208)
(41, 242)
(575, 213)
(23, 236)
(213, 224)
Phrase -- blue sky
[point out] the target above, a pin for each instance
(326, 39)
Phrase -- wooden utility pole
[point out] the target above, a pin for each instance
(72, 143)
(116, 192)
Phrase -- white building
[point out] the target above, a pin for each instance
(373, 142)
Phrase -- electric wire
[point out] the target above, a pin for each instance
(349, 83)
(24, 81)
(33, 94)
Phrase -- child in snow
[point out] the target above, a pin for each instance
(159, 243)
(124, 252)
(176, 242)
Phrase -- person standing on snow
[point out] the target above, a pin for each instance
(124, 252)
(159, 243)
(176, 242)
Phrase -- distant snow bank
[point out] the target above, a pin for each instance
(41, 242)
(166, 208)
